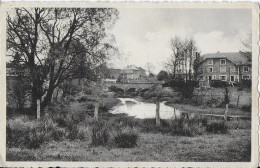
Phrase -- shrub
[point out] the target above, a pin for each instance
(73, 131)
(246, 108)
(125, 138)
(187, 127)
(100, 133)
(82, 99)
(103, 108)
(31, 134)
(149, 125)
(217, 127)
(90, 106)
(61, 121)
(246, 83)
(26, 136)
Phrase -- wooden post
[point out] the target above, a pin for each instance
(38, 109)
(238, 100)
(226, 112)
(96, 111)
(157, 117)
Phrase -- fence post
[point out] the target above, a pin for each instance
(238, 100)
(96, 111)
(158, 122)
(38, 109)
(226, 112)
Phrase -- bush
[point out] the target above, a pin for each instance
(26, 136)
(100, 133)
(82, 99)
(125, 138)
(61, 121)
(31, 134)
(115, 133)
(149, 125)
(187, 127)
(217, 127)
(218, 83)
(90, 106)
(246, 108)
(103, 108)
(73, 131)
(246, 83)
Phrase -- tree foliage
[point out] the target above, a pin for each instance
(59, 43)
(162, 75)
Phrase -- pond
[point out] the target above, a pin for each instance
(143, 110)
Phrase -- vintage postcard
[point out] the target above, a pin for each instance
(117, 84)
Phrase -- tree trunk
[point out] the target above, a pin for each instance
(38, 109)
(96, 111)
(47, 98)
(157, 118)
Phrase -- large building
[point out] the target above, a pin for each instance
(230, 67)
(130, 73)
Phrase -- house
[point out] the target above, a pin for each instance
(128, 74)
(131, 72)
(230, 67)
(114, 73)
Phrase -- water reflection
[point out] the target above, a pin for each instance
(144, 110)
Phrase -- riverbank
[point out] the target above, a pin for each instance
(208, 110)
(187, 107)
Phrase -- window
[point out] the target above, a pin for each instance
(223, 69)
(210, 69)
(223, 77)
(232, 78)
(246, 69)
(245, 77)
(222, 62)
(211, 77)
(210, 62)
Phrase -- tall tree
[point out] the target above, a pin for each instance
(182, 57)
(53, 41)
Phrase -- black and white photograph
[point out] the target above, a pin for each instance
(110, 83)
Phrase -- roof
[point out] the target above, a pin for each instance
(131, 67)
(238, 58)
(114, 70)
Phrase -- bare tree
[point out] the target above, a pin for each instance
(52, 40)
(182, 57)
(247, 42)
(149, 68)
(176, 54)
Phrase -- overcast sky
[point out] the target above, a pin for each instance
(143, 34)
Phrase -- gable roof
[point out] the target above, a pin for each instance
(238, 58)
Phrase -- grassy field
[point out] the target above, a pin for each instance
(232, 147)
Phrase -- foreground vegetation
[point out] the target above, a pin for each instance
(69, 133)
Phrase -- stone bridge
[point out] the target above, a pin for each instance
(136, 86)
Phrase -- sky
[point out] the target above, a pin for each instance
(143, 35)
